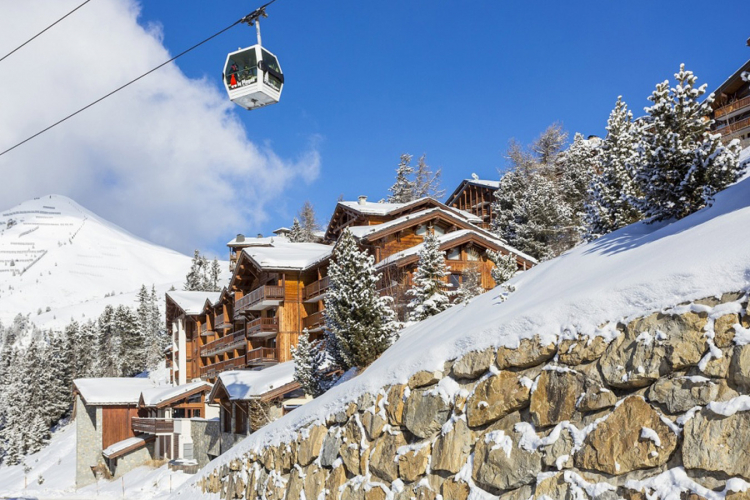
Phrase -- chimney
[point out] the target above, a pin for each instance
(260, 235)
(362, 199)
(240, 238)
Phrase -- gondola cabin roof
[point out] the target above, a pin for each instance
(253, 77)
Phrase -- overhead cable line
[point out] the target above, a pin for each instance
(249, 19)
(41, 32)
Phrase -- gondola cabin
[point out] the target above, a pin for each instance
(253, 77)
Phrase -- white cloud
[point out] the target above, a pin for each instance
(166, 158)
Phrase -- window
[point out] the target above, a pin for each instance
(240, 420)
(226, 420)
(242, 69)
(454, 280)
(439, 231)
(421, 230)
(472, 254)
(453, 254)
(273, 71)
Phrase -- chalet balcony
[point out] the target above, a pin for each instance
(205, 332)
(220, 322)
(262, 356)
(732, 107)
(262, 327)
(261, 298)
(316, 291)
(315, 322)
(735, 127)
(230, 342)
(211, 371)
(152, 425)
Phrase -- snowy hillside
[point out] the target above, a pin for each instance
(55, 253)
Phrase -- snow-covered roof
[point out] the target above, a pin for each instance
(192, 302)
(448, 237)
(285, 255)
(111, 390)
(252, 242)
(156, 396)
(370, 208)
(128, 444)
(365, 231)
(476, 182)
(632, 272)
(249, 384)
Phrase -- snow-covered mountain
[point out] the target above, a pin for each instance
(56, 254)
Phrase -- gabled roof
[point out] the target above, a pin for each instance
(372, 233)
(493, 185)
(111, 390)
(192, 303)
(733, 83)
(284, 255)
(254, 384)
(449, 240)
(159, 397)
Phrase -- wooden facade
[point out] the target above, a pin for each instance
(476, 197)
(116, 423)
(731, 107)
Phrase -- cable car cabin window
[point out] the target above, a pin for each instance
(271, 66)
(242, 69)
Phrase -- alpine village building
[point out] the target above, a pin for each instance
(731, 107)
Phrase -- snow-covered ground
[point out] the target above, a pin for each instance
(55, 467)
(634, 271)
(55, 253)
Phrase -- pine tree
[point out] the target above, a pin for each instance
(403, 189)
(360, 324)
(505, 268)
(614, 194)
(309, 222)
(215, 275)
(550, 144)
(295, 234)
(426, 183)
(195, 277)
(683, 163)
(108, 344)
(60, 382)
(132, 353)
(471, 285)
(429, 293)
(576, 167)
(309, 365)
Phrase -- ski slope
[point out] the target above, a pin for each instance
(55, 253)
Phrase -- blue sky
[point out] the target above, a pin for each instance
(368, 81)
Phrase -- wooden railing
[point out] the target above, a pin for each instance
(152, 425)
(315, 320)
(266, 292)
(732, 106)
(460, 266)
(734, 127)
(262, 325)
(204, 328)
(261, 355)
(219, 321)
(316, 289)
(211, 371)
(224, 344)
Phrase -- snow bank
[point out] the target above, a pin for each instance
(634, 271)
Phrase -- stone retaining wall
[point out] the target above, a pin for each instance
(662, 403)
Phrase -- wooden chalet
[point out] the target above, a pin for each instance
(250, 399)
(731, 107)
(476, 197)
(186, 323)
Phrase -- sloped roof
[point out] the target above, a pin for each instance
(250, 384)
(192, 303)
(732, 83)
(126, 445)
(285, 255)
(473, 182)
(370, 208)
(111, 390)
(158, 396)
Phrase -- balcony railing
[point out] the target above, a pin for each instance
(260, 327)
(211, 371)
(262, 355)
(732, 107)
(224, 344)
(315, 321)
(220, 322)
(317, 289)
(204, 328)
(734, 127)
(258, 298)
(152, 425)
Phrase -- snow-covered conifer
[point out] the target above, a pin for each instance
(426, 182)
(309, 365)
(132, 355)
(429, 294)
(360, 324)
(402, 190)
(309, 222)
(684, 164)
(614, 193)
(214, 275)
(471, 285)
(505, 268)
(576, 166)
(195, 277)
(295, 234)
